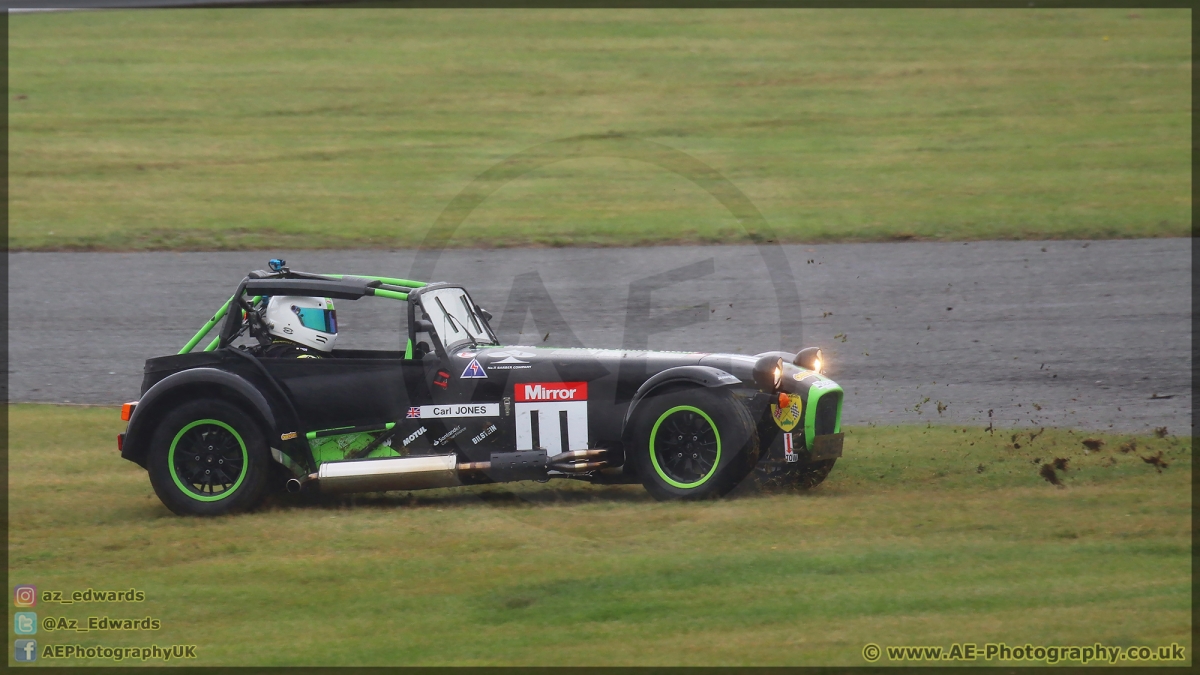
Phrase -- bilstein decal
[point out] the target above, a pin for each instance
(491, 429)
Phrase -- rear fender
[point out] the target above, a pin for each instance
(190, 384)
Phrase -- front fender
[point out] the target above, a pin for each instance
(181, 386)
(704, 376)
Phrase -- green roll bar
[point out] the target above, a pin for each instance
(400, 285)
(391, 281)
(207, 327)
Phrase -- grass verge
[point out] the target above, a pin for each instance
(922, 536)
(318, 128)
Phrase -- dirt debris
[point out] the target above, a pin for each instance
(1160, 432)
(1093, 443)
(1128, 446)
(1047, 472)
(1155, 461)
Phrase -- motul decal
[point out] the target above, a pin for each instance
(530, 392)
(414, 436)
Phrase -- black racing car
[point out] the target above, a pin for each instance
(216, 429)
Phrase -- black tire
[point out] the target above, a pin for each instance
(233, 465)
(723, 443)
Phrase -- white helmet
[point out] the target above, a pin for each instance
(308, 321)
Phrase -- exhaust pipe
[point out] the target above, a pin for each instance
(580, 467)
(390, 473)
(572, 455)
(293, 485)
(576, 461)
(533, 464)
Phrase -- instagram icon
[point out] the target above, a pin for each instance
(25, 596)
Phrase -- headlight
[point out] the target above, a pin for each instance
(768, 373)
(809, 359)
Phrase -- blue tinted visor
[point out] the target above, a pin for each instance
(324, 320)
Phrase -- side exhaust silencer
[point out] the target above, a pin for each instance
(390, 473)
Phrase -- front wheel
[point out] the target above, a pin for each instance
(694, 443)
(208, 458)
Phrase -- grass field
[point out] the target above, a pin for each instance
(211, 129)
(925, 536)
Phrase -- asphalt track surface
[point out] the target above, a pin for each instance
(1090, 335)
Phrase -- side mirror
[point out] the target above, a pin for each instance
(486, 314)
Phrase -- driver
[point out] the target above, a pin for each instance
(299, 327)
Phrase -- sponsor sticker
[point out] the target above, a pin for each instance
(467, 355)
(528, 392)
(288, 436)
(788, 417)
(551, 416)
(455, 410)
(803, 374)
(509, 359)
(414, 436)
(449, 435)
(474, 371)
(483, 434)
(789, 452)
(823, 384)
(510, 356)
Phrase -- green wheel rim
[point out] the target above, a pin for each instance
(190, 490)
(654, 449)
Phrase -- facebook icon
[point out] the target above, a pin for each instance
(26, 651)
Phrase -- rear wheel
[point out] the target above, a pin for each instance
(208, 458)
(694, 443)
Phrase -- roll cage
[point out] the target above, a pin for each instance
(252, 293)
